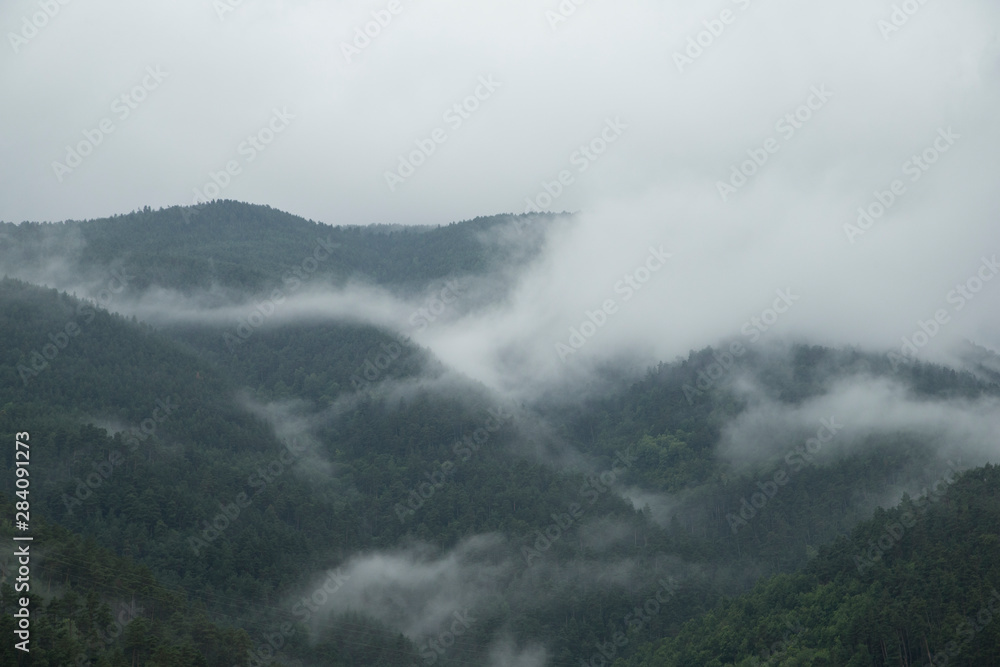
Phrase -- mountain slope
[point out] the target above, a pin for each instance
(245, 473)
(916, 585)
(247, 247)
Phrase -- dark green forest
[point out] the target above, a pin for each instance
(188, 487)
(918, 584)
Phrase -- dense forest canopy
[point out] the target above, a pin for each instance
(305, 495)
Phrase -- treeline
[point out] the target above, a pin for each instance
(251, 248)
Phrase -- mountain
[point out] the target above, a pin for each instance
(280, 474)
(914, 585)
(245, 247)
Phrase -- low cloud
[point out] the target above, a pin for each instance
(417, 590)
(866, 406)
(506, 653)
(293, 425)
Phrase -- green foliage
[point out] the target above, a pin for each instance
(91, 607)
(151, 498)
(253, 248)
(926, 597)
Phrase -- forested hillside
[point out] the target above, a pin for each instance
(249, 248)
(918, 584)
(319, 487)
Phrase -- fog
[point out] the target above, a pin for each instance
(858, 407)
(422, 590)
(869, 100)
(764, 173)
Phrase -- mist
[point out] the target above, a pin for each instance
(686, 129)
(861, 406)
(421, 590)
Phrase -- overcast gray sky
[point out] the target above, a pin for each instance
(642, 109)
(226, 71)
